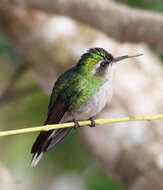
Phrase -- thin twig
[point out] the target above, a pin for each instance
(81, 123)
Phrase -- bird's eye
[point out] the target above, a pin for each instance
(102, 64)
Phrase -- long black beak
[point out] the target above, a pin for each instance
(116, 59)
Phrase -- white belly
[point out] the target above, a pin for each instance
(94, 105)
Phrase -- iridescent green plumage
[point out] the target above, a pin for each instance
(92, 57)
(78, 81)
(78, 87)
(79, 93)
(73, 89)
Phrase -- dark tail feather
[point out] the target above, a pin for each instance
(45, 141)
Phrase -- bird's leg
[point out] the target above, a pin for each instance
(93, 124)
(76, 124)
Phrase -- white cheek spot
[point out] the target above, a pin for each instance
(94, 70)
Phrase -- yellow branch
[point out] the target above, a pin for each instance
(81, 123)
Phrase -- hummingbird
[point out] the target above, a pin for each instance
(80, 93)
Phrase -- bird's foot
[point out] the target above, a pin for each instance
(93, 124)
(76, 124)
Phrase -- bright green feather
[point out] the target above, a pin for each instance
(78, 81)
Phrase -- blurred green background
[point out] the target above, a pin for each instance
(155, 5)
(16, 113)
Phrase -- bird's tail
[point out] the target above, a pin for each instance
(45, 141)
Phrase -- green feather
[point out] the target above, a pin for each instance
(78, 81)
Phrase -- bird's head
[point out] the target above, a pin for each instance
(99, 62)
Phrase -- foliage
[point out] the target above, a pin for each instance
(156, 5)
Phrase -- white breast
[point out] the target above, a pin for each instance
(94, 105)
(96, 102)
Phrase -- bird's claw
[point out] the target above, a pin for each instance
(93, 124)
(76, 124)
